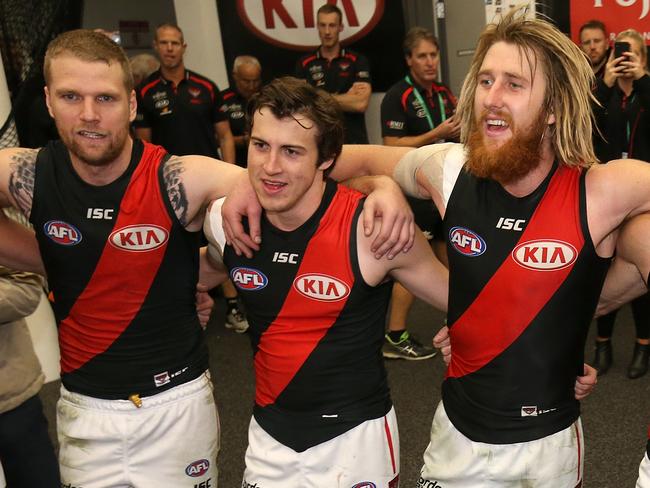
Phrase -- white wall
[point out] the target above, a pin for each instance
(199, 20)
(100, 14)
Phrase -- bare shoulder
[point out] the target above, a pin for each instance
(17, 170)
(627, 179)
(192, 182)
(373, 270)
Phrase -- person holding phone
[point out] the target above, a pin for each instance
(624, 122)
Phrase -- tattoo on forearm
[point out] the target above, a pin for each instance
(176, 189)
(21, 179)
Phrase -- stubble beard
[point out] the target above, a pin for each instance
(116, 142)
(511, 161)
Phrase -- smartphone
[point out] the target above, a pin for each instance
(621, 47)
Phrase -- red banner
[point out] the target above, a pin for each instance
(617, 15)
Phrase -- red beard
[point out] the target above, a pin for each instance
(513, 160)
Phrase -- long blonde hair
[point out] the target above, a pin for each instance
(569, 79)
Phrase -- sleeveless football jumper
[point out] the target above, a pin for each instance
(524, 283)
(316, 327)
(122, 271)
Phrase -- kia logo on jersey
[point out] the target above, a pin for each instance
(62, 233)
(545, 254)
(248, 279)
(321, 287)
(139, 237)
(292, 23)
(197, 468)
(467, 242)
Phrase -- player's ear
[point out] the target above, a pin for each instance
(326, 164)
(47, 101)
(551, 118)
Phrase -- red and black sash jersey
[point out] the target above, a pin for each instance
(316, 327)
(123, 273)
(524, 284)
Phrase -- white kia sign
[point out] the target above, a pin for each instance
(291, 24)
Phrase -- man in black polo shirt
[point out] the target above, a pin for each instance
(416, 111)
(341, 72)
(247, 75)
(180, 109)
(594, 43)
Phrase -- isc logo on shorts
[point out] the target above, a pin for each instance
(321, 287)
(467, 242)
(138, 238)
(197, 468)
(248, 279)
(62, 233)
(544, 255)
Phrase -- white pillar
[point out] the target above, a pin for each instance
(199, 20)
(5, 101)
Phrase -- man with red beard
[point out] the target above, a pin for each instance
(532, 225)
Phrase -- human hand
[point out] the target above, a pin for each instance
(586, 383)
(613, 69)
(397, 230)
(441, 341)
(242, 201)
(204, 304)
(449, 129)
(632, 65)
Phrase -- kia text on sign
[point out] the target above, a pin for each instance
(292, 23)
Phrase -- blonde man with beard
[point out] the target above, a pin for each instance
(532, 225)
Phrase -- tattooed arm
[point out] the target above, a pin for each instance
(18, 247)
(192, 182)
(17, 178)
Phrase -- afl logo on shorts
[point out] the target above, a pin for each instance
(321, 287)
(197, 468)
(62, 233)
(248, 279)
(545, 255)
(365, 484)
(467, 242)
(138, 238)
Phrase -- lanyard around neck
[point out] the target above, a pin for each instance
(425, 106)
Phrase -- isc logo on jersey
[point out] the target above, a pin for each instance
(248, 279)
(197, 468)
(321, 287)
(467, 242)
(544, 255)
(138, 238)
(62, 233)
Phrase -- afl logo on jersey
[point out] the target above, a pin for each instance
(545, 255)
(321, 287)
(139, 238)
(365, 484)
(62, 233)
(467, 242)
(248, 279)
(197, 468)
